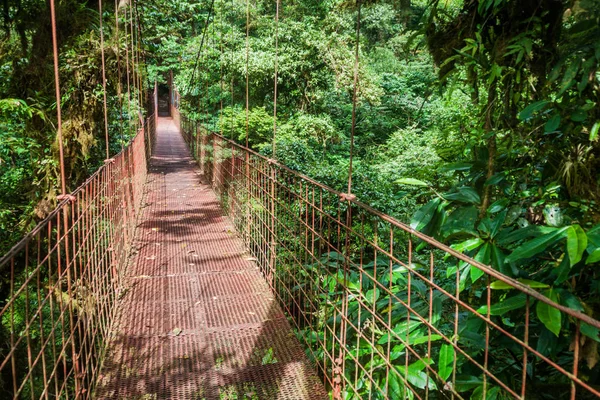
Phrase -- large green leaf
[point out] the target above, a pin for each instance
(552, 124)
(498, 205)
(497, 258)
(499, 285)
(411, 181)
(594, 257)
(483, 256)
(424, 214)
(462, 220)
(467, 245)
(509, 304)
(446, 361)
(569, 76)
(590, 331)
(548, 315)
(464, 194)
(457, 166)
(532, 109)
(576, 243)
(417, 377)
(594, 131)
(537, 245)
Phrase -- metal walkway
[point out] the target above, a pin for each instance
(196, 319)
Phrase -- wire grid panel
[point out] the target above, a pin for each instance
(62, 283)
(382, 309)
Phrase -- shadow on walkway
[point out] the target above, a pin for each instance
(196, 319)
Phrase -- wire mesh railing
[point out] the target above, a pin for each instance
(60, 283)
(382, 309)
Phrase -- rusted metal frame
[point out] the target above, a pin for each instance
(357, 363)
(294, 258)
(42, 224)
(488, 323)
(52, 336)
(57, 363)
(27, 317)
(86, 348)
(575, 362)
(27, 377)
(13, 345)
(488, 270)
(497, 327)
(59, 266)
(67, 240)
(454, 345)
(392, 333)
(71, 234)
(41, 319)
(404, 380)
(282, 203)
(295, 280)
(27, 327)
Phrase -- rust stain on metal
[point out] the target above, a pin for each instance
(196, 319)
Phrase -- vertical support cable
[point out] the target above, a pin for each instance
(142, 54)
(104, 81)
(247, 237)
(347, 198)
(247, 71)
(134, 74)
(273, 177)
(354, 96)
(58, 109)
(128, 85)
(139, 57)
(119, 83)
(231, 64)
(274, 149)
(65, 237)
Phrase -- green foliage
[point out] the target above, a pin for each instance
(477, 121)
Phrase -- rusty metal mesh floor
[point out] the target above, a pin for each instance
(196, 319)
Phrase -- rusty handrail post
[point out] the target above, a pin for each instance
(248, 217)
(273, 230)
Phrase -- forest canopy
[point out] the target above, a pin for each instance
(477, 121)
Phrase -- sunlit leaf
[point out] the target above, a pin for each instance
(411, 181)
(446, 361)
(548, 315)
(576, 243)
(424, 214)
(509, 304)
(537, 245)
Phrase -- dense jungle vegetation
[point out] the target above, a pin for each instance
(477, 123)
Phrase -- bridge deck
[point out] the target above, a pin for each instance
(196, 319)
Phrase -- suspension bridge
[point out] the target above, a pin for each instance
(190, 266)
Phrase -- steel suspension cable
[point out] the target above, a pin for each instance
(134, 75)
(247, 71)
(104, 81)
(354, 96)
(63, 185)
(139, 54)
(221, 56)
(231, 66)
(119, 83)
(128, 75)
(208, 74)
(210, 12)
(274, 144)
